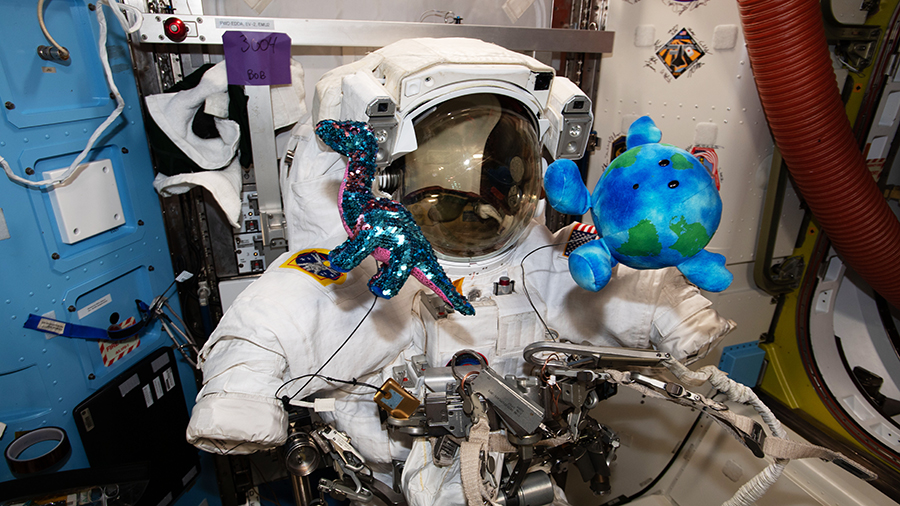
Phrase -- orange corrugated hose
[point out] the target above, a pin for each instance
(796, 83)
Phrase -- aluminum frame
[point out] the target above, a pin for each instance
(348, 33)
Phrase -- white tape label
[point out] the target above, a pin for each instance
(148, 396)
(238, 23)
(127, 385)
(160, 362)
(169, 379)
(94, 306)
(4, 229)
(157, 385)
(52, 316)
(53, 326)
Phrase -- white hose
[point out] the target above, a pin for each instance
(129, 27)
(751, 491)
(119, 10)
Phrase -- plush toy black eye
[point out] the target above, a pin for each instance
(673, 184)
(635, 186)
(663, 163)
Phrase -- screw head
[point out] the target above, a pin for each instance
(140, 223)
(91, 376)
(71, 309)
(125, 151)
(92, 7)
(55, 256)
(202, 38)
(151, 268)
(10, 105)
(29, 171)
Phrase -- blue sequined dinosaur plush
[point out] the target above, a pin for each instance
(380, 227)
(654, 206)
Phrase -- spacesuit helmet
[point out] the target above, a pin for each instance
(473, 183)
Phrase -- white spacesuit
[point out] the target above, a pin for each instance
(291, 321)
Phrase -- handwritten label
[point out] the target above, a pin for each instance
(257, 58)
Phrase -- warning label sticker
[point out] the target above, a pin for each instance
(112, 352)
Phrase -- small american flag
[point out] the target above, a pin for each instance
(581, 234)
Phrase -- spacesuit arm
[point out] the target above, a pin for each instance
(684, 323)
(232, 415)
(243, 365)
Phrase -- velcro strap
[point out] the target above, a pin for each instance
(750, 433)
(470, 463)
(787, 449)
(60, 328)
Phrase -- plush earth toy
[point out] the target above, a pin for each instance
(655, 206)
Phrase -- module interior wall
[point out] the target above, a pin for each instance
(716, 92)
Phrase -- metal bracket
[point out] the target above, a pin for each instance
(755, 440)
(855, 46)
(765, 276)
(598, 356)
(352, 460)
(673, 390)
(357, 493)
(265, 167)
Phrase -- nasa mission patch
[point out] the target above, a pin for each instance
(315, 263)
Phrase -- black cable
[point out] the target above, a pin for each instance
(223, 450)
(618, 501)
(313, 375)
(525, 286)
(266, 499)
(353, 382)
(265, 481)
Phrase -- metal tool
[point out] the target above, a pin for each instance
(349, 457)
(592, 357)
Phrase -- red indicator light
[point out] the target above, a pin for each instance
(175, 29)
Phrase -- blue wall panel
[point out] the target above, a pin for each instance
(48, 110)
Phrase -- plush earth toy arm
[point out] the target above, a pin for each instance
(565, 190)
(591, 264)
